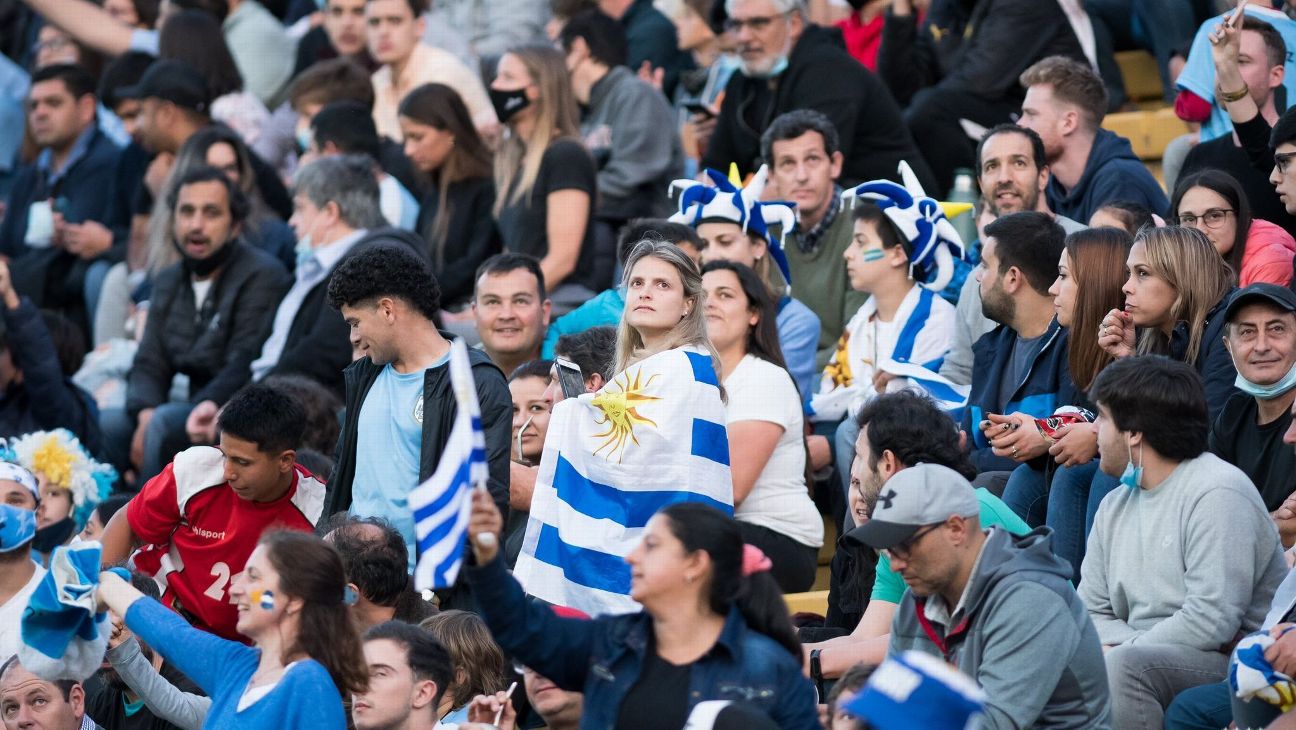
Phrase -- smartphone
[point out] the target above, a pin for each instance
(570, 378)
(694, 107)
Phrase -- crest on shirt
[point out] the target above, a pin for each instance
(418, 411)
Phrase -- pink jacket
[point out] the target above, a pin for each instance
(1268, 258)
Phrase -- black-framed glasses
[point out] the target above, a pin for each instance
(1282, 160)
(1213, 218)
(903, 548)
(756, 24)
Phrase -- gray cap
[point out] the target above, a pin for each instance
(923, 494)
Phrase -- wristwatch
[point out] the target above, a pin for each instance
(816, 673)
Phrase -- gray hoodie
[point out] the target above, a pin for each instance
(1022, 634)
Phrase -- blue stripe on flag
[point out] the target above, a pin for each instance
(589, 568)
(462, 479)
(629, 509)
(703, 369)
(904, 347)
(939, 391)
(710, 441)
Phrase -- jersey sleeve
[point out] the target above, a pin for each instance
(154, 513)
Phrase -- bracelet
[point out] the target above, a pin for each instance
(1229, 97)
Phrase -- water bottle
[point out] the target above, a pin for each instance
(964, 191)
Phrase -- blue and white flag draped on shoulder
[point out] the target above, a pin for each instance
(441, 504)
(653, 436)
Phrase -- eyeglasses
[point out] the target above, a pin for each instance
(1213, 218)
(902, 549)
(1283, 160)
(756, 24)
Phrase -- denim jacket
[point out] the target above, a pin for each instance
(603, 657)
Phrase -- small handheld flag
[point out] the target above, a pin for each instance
(442, 504)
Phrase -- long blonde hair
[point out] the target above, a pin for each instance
(691, 330)
(1189, 263)
(517, 161)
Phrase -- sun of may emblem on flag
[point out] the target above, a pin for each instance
(619, 412)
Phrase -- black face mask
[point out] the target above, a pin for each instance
(205, 267)
(48, 538)
(508, 103)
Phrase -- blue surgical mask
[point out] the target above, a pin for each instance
(304, 249)
(304, 139)
(1265, 392)
(1132, 477)
(779, 67)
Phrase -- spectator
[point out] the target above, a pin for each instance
(320, 406)
(789, 64)
(1013, 173)
(304, 662)
(342, 79)
(734, 225)
(394, 32)
(208, 316)
(896, 431)
(767, 452)
(409, 672)
(35, 392)
(336, 201)
(844, 690)
(627, 125)
(1175, 296)
(529, 387)
(53, 47)
(1127, 216)
(545, 180)
(1020, 368)
(511, 309)
(715, 63)
(192, 37)
(804, 154)
(1065, 105)
(399, 403)
(591, 350)
(477, 662)
(650, 40)
(1261, 338)
(455, 216)
(1214, 203)
(19, 573)
(374, 557)
(605, 309)
(1266, 55)
(1162, 622)
(30, 701)
(479, 31)
(962, 61)
(345, 128)
(72, 484)
(341, 34)
(123, 71)
(252, 484)
(103, 512)
(18, 487)
(558, 708)
(696, 594)
(60, 254)
(1003, 589)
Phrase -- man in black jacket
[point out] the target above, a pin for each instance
(787, 64)
(962, 62)
(207, 317)
(399, 402)
(336, 207)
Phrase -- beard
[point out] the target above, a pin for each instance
(1029, 200)
(998, 307)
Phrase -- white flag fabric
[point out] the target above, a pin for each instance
(653, 435)
(441, 504)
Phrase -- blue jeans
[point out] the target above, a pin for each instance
(1027, 494)
(1207, 707)
(1068, 513)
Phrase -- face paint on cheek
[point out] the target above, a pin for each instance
(873, 254)
(264, 599)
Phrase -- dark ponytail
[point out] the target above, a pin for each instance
(700, 527)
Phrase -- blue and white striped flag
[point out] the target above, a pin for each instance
(653, 436)
(441, 504)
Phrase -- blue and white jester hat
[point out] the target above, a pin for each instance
(933, 243)
(727, 200)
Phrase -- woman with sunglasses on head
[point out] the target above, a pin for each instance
(1214, 203)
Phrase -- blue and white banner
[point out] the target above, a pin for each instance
(441, 504)
(653, 436)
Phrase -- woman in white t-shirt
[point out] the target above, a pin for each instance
(767, 453)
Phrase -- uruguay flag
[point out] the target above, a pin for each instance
(653, 436)
(441, 504)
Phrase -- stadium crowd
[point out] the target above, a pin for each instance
(834, 364)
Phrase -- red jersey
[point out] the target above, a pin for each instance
(199, 533)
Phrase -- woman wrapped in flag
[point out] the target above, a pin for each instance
(652, 436)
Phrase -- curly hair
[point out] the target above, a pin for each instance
(385, 270)
(478, 661)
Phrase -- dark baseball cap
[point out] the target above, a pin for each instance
(924, 494)
(1279, 296)
(173, 81)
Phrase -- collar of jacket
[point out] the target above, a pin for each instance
(730, 639)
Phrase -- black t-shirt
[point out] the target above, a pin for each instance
(659, 699)
(566, 165)
(1255, 449)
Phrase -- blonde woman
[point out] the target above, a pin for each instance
(1175, 296)
(545, 180)
(663, 309)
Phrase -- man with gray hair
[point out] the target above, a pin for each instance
(335, 213)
